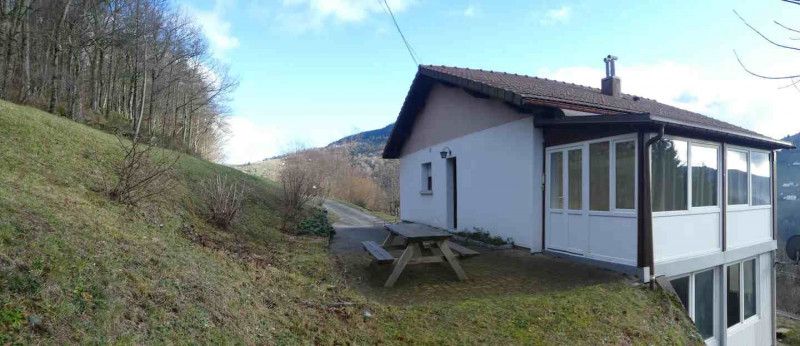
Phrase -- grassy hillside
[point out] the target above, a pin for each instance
(76, 268)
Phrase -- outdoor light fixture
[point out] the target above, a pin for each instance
(445, 152)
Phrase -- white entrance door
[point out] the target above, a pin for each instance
(566, 219)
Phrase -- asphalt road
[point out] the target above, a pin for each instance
(353, 227)
(351, 217)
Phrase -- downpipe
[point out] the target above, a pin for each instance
(649, 201)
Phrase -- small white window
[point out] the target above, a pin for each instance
(705, 161)
(696, 293)
(742, 291)
(670, 174)
(625, 174)
(760, 178)
(427, 178)
(737, 177)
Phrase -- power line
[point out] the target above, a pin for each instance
(411, 51)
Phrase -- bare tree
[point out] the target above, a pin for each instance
(301, 187)
(791, 77)
(223, 200)
(139, 172)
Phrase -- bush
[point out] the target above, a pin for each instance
(301, 186)
(317, 224)
(483, 236)
(140, 172)
(223, 200)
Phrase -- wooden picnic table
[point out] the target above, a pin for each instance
(421, 244)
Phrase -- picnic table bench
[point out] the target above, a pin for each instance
(421, 244)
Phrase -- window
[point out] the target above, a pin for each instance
(681, 287)
(557, 180)
(734, 295)
(749, 288)
(704, 303)
(696, 293)
(427, 178)
(625, 174)
(737, 177)
(599, 172)
(575, 179)
(704, 176)
(760, 171)
(742, 291)
(670, 175)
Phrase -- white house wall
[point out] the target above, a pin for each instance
(499, 183)
(451, 113)
(758, 330)
(613, 239)
(749, 226)
(677, 236)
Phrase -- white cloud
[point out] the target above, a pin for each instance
(556, 16)
(737, 98)
(470, 11)
(216, 28)
(250, 142)
(304, 15)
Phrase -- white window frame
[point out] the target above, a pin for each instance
(426, 171)
(749, 205)
(613, 175)
(743, 323)
(691, 306)
(547, 178)
(584, 146)
(690, 210)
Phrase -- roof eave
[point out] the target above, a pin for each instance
(763, 140)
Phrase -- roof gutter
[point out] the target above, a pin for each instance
(648, 205)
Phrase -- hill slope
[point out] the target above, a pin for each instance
(94, 271)
(788, 178)
(76, 268)
(367, 143)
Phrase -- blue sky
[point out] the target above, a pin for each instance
(313, 71)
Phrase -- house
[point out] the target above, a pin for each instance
(601, 177)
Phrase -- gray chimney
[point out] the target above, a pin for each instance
(611, 84)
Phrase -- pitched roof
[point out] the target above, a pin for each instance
(527, 92)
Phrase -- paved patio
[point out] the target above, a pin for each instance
(493, 273)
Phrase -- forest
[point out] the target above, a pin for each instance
(139, 67)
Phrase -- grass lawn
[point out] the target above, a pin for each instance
(77, 268)
(794, 325)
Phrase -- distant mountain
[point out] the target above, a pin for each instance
(789, 190)
(367, 143)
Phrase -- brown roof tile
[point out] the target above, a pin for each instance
(534, 88)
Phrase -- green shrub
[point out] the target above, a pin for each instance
(483, 236)
(317, 224)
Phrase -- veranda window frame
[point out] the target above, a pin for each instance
(690, 210)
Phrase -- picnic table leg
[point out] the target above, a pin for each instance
(389, 240)
(401, 264)
(451, 258)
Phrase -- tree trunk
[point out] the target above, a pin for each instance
(144, 92)
(25, 90)
(56, 50)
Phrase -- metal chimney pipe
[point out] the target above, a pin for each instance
(611, 84)
(610, 68)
